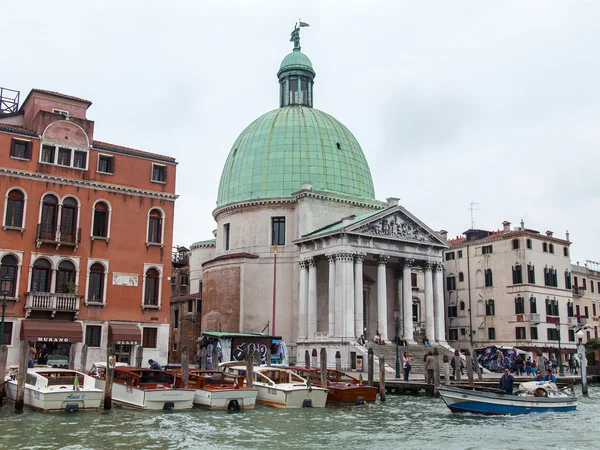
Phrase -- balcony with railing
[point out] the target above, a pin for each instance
(578, 291)
(47, 235)
(533, 317)
(572, 321)
(52, 302)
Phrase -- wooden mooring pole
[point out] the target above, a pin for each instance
(185, 367)
(71, 363)
(215, 358)
(83, 359)
(139, 356)
(338, 361)
(3, 358)
(307, 359)
(314, 357)
(22, 376)
(323, 367)
(382, 378)
(446, 369)
(108, 378)
(249, 370)
(436, 372)
(370, 368)
(469, 364)
(457, 373)
(268, 356)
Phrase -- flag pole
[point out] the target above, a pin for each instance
(274, 287)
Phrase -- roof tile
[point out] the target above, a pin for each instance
(58, 94)
(130, 151)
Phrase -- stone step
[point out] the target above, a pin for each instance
(417, 350)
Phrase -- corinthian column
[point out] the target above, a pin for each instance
(407, 299)
(358, 294)
(438, 299)
(303, 301)
(331, 296)
(382, 296)
(429, 311)
(312, 298)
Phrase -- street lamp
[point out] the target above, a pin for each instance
(582, 362)
(6, 287)
(561, 369)
(397, 320)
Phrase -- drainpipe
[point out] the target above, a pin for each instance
(469, 295)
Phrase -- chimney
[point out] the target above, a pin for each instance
(307, 185)
(506, 226)
(444, 235)
(567, 235)
(549, 233)
(392, 201)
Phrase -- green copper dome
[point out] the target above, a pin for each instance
(296, 60)
(282, 149)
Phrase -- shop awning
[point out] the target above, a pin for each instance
(51, 331)
(124, 334)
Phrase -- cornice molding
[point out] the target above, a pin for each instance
(88, 184)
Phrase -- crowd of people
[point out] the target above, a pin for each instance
(519, 365)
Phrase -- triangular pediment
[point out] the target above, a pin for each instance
(397, 223)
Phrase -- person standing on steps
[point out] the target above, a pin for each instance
(429, 368)
(406, 359)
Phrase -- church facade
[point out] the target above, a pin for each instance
(302, 248)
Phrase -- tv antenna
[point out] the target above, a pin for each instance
(472, 208)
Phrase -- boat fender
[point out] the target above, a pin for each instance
(539, 392)
(72, 407)
(169, 406)
(233, 406)
(361, 401)
(307, 403)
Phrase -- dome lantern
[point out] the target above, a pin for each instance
(296, 75)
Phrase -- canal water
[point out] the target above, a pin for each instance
(406, 422)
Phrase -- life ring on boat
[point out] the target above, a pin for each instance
(540, 392)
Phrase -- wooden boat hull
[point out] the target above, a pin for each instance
(290, 397)
(477, 402)
(150, 399)
(57, 400)
(225, 399)
(351, 393)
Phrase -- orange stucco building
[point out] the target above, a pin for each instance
(87, 231)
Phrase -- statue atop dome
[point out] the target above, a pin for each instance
(295, 35)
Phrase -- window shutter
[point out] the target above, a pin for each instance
(111, 165)
(28, 150)
(12, 147)
(165, 180)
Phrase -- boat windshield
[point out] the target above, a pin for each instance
(62, 378)
(155, 377)
(339, 377)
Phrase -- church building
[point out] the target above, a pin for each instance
(302, 248)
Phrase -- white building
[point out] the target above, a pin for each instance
(586, 296)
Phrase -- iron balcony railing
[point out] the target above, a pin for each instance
(51, 301)
(50, 235)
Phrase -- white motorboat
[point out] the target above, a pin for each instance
(282, 388)
(53, 389)
(143, 388)
(531, 397)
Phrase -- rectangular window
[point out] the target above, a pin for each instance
(452, 311)
(571, 335)
(190, 306)
(8, 331)
(159, 173)
(520, 333)
(198, 306)
(451, 283)
(176, 318)
(20, 149)
(570, 312)
(534, 332)
(413, 280)
(80, 160)
(490, 308)
(577, 310)
(568, 284)
(64, 156)
(552, 334)
(278, 231)
(460, 253)
(519, 305)
(105, 164)
(530, 274)
(226, 230)
(463, 331)
(489, 281)
(594, 310)
(587, 312)
(532, 305)
(48, 154)
(584, 281)
(565, 251)
(149, 337)
(517, 274)
(491, 334)
(486, 249)
(529, 243)
(96, 287)
(449, 256)
(598, 286)
(453, 334)
(592, 286)
(93, 335)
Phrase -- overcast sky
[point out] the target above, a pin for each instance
(452, 102)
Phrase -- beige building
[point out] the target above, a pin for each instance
(586, 297)
(509, 287)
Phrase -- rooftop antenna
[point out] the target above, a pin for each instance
(472, 208)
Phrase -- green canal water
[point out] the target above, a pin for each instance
(402, 422)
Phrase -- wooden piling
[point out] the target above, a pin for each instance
(185, 367)
(249, 370)
(469, 364)
(540, 362)
(382, 378)
(307, 359)
(457, 373)
(323, 367)
(139, 356)
(108, 378)
(477, 366)
(22, 376)
(314, 357)
(256, 356)
(215, 358)
(436, 372)
(370, 368)
(268, 361)
(446, 369)
(71, 363)
(83, 359)
(338, 361)
(3, 358)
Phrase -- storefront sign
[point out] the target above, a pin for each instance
(48, 339)
(126, 342)
(125, 279)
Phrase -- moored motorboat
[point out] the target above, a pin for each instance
(219, 390)
(342, 388)
(143, 388)
(53, 389)
(531, 397)
(282, 388)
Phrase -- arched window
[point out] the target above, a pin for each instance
(96, 286)
(9, 266)
(151, 292)
(461, 277)
(68, 218)
(65, 280)
(47, 227)
(489, 281)
(155, 227)
(551, 248)
(100, 225)
(568, 284)
(519, 305)
(532, 305)
(517, 274)
(15, 207)
(515, 244)
(40, 279)
(545, 247)
(462, 306)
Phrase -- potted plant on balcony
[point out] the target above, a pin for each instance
(70, 288)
